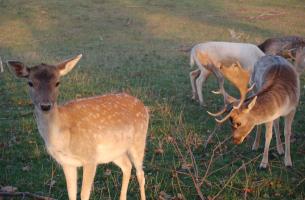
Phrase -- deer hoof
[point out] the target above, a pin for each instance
(255, 147)
(288, 163)
(280, 151)
(263, 166)
(203, 104)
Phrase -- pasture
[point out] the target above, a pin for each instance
(137, 46)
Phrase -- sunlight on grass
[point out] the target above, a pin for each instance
(15, 33)
(166, 26)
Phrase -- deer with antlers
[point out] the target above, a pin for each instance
(89, 131)
(278, 92)
(210, 56)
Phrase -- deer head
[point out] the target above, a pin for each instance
(242, 118)
(300, 60)
(43, 80)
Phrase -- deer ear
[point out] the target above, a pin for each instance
(67, 65)
(19, 69)
(250, 105)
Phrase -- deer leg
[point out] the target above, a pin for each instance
(220, 80)
(288, 123)
(71, 180)
(88, 178)
(268, 137)
(279, 146)
(257, 137)
(137, 156)
(125, 165)
(204, 73)
(193, 76)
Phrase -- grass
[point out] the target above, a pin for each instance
(131, 45)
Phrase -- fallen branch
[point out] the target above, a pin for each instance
(212, 159)
(24, 195)
(266, 14)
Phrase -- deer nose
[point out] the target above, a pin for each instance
(45, 107)
(237, 140)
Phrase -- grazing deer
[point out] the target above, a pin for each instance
(89, 131)
(283, 46)
(210, 56)
(278, 94)
(297, 53)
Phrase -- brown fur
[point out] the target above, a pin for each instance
(87, 132)
(283, 46)
(278, 95)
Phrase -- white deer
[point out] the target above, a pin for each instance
(213, 55)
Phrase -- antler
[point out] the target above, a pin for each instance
(220, 121)
(224, 109)
(229, 108)
(229, 102)
(239, 77)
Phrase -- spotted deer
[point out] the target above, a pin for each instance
(210, 56)
(278, 92)
(88, 131)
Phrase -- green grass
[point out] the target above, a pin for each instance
(131, 45)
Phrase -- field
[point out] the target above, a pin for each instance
(135, 46)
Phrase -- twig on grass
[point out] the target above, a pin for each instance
(266, 14)
(211, 136)
(234, 174)
(300, 183)
(228, 181)
(197, 187)
(212, 158)
(24, 194)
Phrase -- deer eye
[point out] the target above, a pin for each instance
(238, 124)
(57, 84)
(30, 84)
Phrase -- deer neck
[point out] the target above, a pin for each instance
(48, 123)
(269, 106)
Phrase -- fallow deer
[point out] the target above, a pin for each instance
(210, 56)
(89, 131)
(283, 46)
(289, 47)
(278, 94)
(297, 53)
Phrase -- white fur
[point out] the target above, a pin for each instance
(218, 53)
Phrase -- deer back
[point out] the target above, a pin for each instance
(275, 75)
(98, 129)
